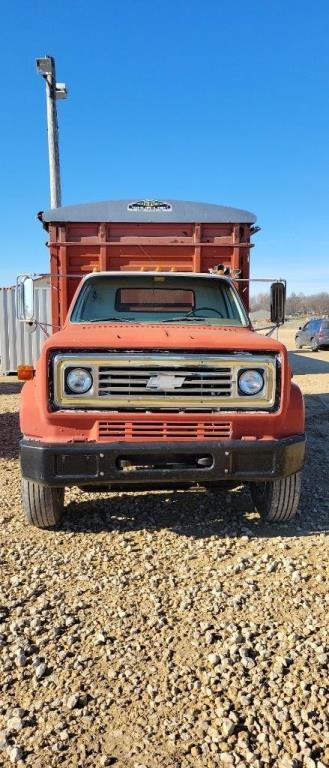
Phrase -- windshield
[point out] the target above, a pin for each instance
(158, 299)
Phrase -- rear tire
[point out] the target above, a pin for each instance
(43, 506)
(314, 345)
(278, 500)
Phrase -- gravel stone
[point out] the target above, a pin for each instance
(40, 671)
(15, 755)
(14, 724)
(3, 740)
(21, 659)
(227, 727)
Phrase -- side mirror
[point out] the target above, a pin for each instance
(278, 302)
(25, 299)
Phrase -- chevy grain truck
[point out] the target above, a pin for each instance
(153, 376)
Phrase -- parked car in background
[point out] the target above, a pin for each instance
(314, 334)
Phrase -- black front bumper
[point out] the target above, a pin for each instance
(156, 464)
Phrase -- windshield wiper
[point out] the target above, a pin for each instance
(186, 317)
(108, 319)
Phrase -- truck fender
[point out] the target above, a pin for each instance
(296, 411)
(29, 410)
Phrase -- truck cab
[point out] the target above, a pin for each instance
(155, 377)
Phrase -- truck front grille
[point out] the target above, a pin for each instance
(164, 381)
(133, 383)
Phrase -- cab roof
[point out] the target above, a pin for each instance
(147, 211)
(157, 274)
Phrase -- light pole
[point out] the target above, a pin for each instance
(46, 68)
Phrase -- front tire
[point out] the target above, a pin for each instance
(277, 501)
(43, 506)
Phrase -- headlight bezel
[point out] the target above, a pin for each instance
(250, 371)
(77, 392)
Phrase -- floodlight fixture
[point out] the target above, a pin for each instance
(45, 65)
(60, 91)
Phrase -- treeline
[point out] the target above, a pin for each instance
(297, 303)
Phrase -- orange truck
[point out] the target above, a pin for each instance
(153, 376)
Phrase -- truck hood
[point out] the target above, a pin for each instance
(173, 336)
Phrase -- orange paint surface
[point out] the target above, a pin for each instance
(38, 421)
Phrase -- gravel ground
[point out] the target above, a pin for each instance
(167, 629)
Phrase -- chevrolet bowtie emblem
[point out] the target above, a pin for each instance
(163, 381)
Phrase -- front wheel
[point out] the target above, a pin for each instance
(43, 506)
(278, 500)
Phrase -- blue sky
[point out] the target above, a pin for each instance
(225, 102)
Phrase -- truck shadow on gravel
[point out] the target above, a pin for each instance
(202, 514)
(10, 387)
(194, 513)
(9, 422)
(305, 364)
(9, 435)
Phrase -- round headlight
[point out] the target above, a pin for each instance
(251, 382)
(79, 381)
